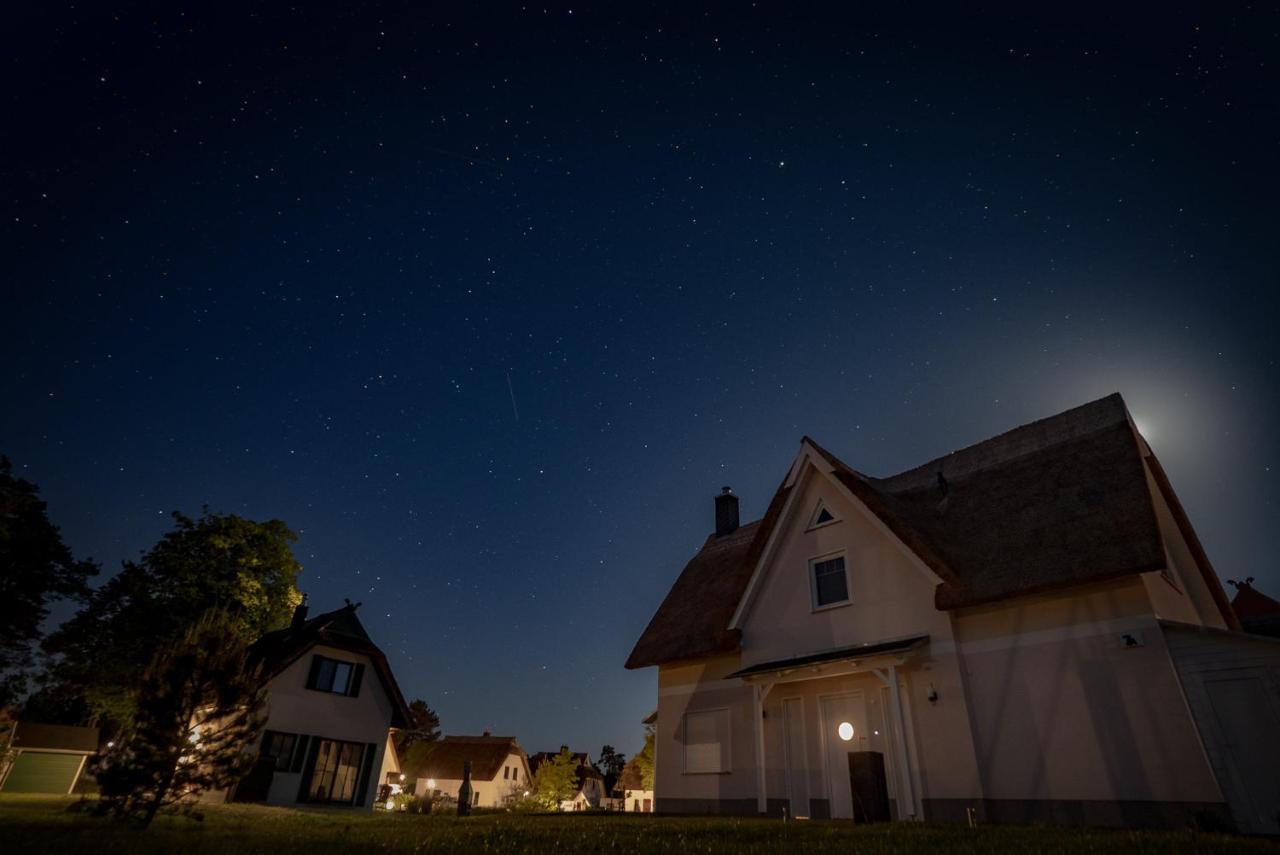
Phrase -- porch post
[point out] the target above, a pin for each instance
(900, 731)
(762, 800)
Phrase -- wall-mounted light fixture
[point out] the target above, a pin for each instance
(845, 730)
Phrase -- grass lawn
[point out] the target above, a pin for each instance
(42, 824)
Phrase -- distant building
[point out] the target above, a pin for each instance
(1258, 613)
(635, 798)
(47, 758)
(332, 704)
(590, 792)
(499, 769)
(1024, 630)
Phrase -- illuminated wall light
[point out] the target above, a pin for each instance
(845, 730)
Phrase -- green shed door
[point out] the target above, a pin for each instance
(42, 772)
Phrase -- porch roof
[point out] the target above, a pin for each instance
(858, 651)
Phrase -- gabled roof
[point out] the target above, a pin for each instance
(340, 629)
(1258, 613)
(447, 756)
(33, 736)
(1059, 502)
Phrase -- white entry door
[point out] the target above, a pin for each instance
(844, 729)
(797, 764)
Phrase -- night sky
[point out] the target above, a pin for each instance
(487, 304)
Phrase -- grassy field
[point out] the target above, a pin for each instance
(30, 824)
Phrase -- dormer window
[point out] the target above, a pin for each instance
(821, 516)
(829, 581)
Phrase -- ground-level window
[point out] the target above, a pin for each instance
(706, 741)
(279, 746)
(476, 800)
(336, 772)
(636, 806)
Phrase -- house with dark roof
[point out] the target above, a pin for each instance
(1027, 629)
(45, 758)
(332, 706)
(631, 790)
(1258, 613)
(590, 792)
(499, 769)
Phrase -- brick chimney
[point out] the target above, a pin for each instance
(726, 512)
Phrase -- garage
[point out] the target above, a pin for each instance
(49, 758)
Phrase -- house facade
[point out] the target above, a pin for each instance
(332, 703)
(590, 792)
(1024, 630)
(499, 769)
(634, 797)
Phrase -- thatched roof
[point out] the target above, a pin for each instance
(54, 737)
(487, 754)
(1059, 502)
(340, 629)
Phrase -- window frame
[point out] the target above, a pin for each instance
(726, 752)
(315, 673)
(284, 762)
(814, 605)
(817, 512)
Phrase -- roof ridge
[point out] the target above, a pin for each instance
(932, 466)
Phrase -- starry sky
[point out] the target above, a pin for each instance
(487, 302)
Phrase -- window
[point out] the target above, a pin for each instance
(706, 741)
(506, 772)
(515, 773)
(280, 746)
(821, 515)
(830, 582)
(337, 768)
(476, 800)
(333, 675)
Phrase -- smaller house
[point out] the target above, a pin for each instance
(1258, 613)
(499, 769)
(635, 798)
(591, 791)
(332, 705)
(48, 758)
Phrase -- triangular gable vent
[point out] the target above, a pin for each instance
(821, 515)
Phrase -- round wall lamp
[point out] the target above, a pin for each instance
(845, 730)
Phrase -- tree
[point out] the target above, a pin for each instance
(199, 707)
(424, 726)
(644, 760)
(610, 764)
(244, 567)
(556, 780)
(36, 567)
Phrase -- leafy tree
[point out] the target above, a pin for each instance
(644, 760)
(610, 765)
(556, 780)
(36, 567)
(244, 567)
(199, 707)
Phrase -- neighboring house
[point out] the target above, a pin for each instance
(332, 704)
(1258, 613)
(635, 798)
(590, 792)
(48, 758)
(499, 769)
(1027, 629)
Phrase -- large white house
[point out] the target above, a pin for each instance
(332, 703)
(1027, 629)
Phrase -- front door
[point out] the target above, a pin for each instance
(844, 729)
(796, 757)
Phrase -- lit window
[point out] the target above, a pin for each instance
(830, 582)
